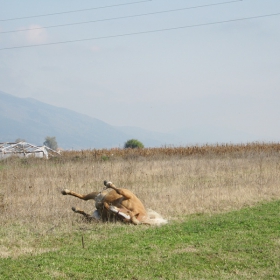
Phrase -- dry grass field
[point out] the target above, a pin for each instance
(172, 181)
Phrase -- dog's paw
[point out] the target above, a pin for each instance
(65, 191)
(114, 209)
(108, 184)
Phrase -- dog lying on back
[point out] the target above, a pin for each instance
(112, 201)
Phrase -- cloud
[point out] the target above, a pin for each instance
(95, 49)
(35, 34)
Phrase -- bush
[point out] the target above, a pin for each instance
(51, 143)
(133, 143)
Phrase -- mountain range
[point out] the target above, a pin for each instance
(32, 120)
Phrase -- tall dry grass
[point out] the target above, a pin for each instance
(172, 181)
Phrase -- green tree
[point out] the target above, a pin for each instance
(133, 143)
(51, 142)
(20, 140)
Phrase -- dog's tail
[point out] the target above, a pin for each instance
(154, 218)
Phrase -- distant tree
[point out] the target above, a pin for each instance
(133, 143)
(51, 142)
(20, 140)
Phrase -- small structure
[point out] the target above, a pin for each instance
(24, 149)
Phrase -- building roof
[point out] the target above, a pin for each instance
(25, 149)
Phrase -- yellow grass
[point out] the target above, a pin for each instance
(172, 181)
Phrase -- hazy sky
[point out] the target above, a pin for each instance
(206, 74)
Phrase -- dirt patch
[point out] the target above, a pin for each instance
(188, 249)
(6, 252)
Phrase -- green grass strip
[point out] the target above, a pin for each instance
(242, 244)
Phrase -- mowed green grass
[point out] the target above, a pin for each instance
(242, 244)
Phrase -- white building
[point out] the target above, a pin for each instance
(24, 149)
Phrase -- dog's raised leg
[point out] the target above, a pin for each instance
(92, 195)
(117, 211)
(82, 212)
(126, 195)
(119, 191)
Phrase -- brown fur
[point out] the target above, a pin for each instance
(122, 201)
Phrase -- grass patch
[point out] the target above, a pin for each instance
(242, 244)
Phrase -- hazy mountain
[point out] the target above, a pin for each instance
(32, 120)
(202, 134)
(193, 135)
(149, 138)
(29, 119)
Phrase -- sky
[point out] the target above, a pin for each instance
(159, 65)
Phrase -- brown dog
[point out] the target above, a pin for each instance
(122, 203)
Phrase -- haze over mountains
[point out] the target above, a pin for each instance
(29, 119)
(32, 120)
